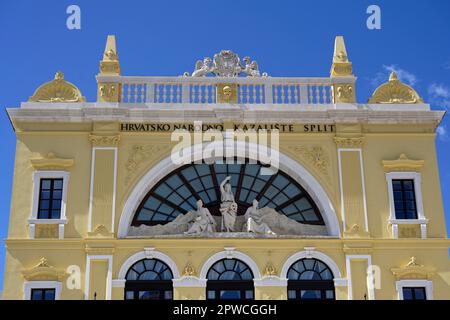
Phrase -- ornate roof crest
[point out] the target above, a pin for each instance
(226, 64)
(57, 90)
(394, 91)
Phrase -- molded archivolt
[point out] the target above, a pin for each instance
(286, 164)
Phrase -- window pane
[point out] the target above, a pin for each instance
(211, 294)
(292, 294)
(36, 294)
(407, 294)
(49, 294)
(404, 199)
(310, 294)
(129, 295)
(230, 294)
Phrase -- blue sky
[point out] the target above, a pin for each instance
(287, 38)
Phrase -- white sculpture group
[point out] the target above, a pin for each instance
(226, 64)
(204, 223)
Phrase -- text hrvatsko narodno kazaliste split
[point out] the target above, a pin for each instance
(351, 208)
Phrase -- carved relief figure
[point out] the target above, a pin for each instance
(202, 68)
(228, 207)
(226, 63)
(203, 221)
(254, 221)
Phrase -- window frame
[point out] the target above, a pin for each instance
(415, 283)
(30, 285)
(241, 285)
(421, 219)
(34, 220)
(322, 285)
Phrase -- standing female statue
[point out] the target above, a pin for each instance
(228, 207)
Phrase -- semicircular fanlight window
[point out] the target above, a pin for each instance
(179, 191)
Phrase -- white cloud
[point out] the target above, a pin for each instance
(442, 133)
(402, 74)
(439, 95)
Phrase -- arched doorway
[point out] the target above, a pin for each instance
(149, 279)
(310, 279)
(230, 279)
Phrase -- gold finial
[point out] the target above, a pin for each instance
(59, 75)
(109, 65)
(395, 91)
(109, 90)
(341, 65)
(393, 76)
(57, 90)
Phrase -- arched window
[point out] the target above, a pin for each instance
(149, 279)
(310, 279)
(178, 192)
(230, 279)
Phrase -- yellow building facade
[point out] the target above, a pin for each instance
(350, 208)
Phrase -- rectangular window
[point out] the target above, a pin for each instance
(404, 199)
(42, 294)
(414, 293)
(50, 196)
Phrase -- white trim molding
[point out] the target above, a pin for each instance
(29, 285)
(427, 284)
(89, 258)
(286, 164)
(421, 219)
(231, 253)
(33, 220)
(363, 188)
(308, 254)
(91, 186)
(369, 277)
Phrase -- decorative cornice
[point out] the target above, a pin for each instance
(57, 90)
(347, 142)
(51, 162)
(413, 270)
(101, 140)
(43, 271)
(403, 163)
(394, 91)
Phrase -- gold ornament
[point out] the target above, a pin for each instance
(57, 90)
(394, 91)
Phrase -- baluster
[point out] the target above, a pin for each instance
(170, 95)
(324, 94)
(122, 93)
(179, 93)
(294, 97)
(247, 93)
(289, 94)
(241, 93)
(129, 92)
(254, 93)
(282, 94)
(142, 86)
(135, 92)
(164, 93)
(317, 94)
(260, 87)
(192, 93)
(157, 93)
(310, 96)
